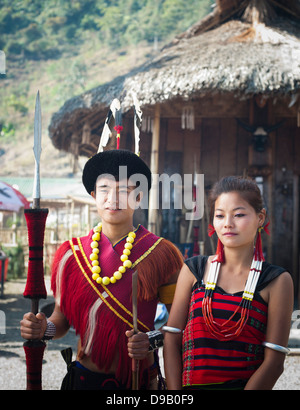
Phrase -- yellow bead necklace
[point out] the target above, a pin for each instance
(95, 258)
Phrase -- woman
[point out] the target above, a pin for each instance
(234, 335)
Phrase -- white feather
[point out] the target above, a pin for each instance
(138, 116)
(106, 133)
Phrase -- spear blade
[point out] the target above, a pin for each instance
(37, 149)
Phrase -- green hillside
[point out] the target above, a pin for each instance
(64, 47)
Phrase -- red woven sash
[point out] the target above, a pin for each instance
(112, 302)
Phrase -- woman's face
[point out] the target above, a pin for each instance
(235, 221)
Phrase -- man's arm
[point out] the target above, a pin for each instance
(34, 326)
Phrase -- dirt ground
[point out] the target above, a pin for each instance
(12, 357)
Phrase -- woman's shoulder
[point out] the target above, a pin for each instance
(197, 264)
(269, 273)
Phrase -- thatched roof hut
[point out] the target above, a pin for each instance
(243, 47)
(222, 98)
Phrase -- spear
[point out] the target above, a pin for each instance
(135, 363)
(35, 285)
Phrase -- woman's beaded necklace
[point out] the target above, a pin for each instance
(222, 331)
(94, 257)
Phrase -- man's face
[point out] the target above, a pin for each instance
(115, 200)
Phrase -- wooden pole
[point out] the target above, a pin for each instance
(154, 191)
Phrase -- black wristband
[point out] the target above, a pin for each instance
(156, 340)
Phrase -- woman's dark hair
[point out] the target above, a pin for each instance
(246, 187)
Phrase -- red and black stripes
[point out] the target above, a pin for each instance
(36, 221)
(207, 360)
(34, 352)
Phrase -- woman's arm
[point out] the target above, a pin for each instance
(177, 318)
(280, 306)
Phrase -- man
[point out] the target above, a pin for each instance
(92, 276)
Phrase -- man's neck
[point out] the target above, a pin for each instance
(115, 232)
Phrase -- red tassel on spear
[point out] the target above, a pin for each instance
(35, 285)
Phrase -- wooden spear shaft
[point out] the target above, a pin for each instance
(135, 363)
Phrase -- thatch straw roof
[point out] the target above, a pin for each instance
(243, 47)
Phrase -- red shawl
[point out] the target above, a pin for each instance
(101, 314)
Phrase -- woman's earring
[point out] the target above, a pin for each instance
(258, 253)
(211, 230)
(220, 247)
